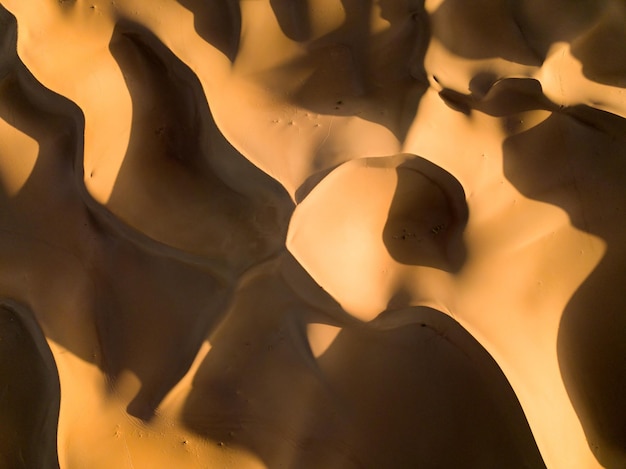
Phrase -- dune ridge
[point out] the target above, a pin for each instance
(312, 234)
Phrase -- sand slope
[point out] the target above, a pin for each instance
(312, 234)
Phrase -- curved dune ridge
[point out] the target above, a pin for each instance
(312, 234)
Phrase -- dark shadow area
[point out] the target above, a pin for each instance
(29, 392)
(524, 31)
(427, 217)
(483, 29)
(576, 160)
(218, 22)
(449, 405)
(355, 34)
(378, 77)
(181, 182)
(602, 51)
(293, 18)
(411, 389)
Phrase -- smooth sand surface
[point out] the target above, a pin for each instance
(321, 234)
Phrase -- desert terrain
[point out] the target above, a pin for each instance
(312, 234)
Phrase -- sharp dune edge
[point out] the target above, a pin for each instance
(312, 234)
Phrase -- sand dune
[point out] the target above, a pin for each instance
(312, 234)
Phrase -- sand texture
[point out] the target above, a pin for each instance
(312, 234)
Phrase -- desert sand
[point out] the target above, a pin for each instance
(321, 234)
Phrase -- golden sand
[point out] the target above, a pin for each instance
(322, 234)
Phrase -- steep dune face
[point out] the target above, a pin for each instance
(312, 234)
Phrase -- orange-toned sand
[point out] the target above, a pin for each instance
(312, 234)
